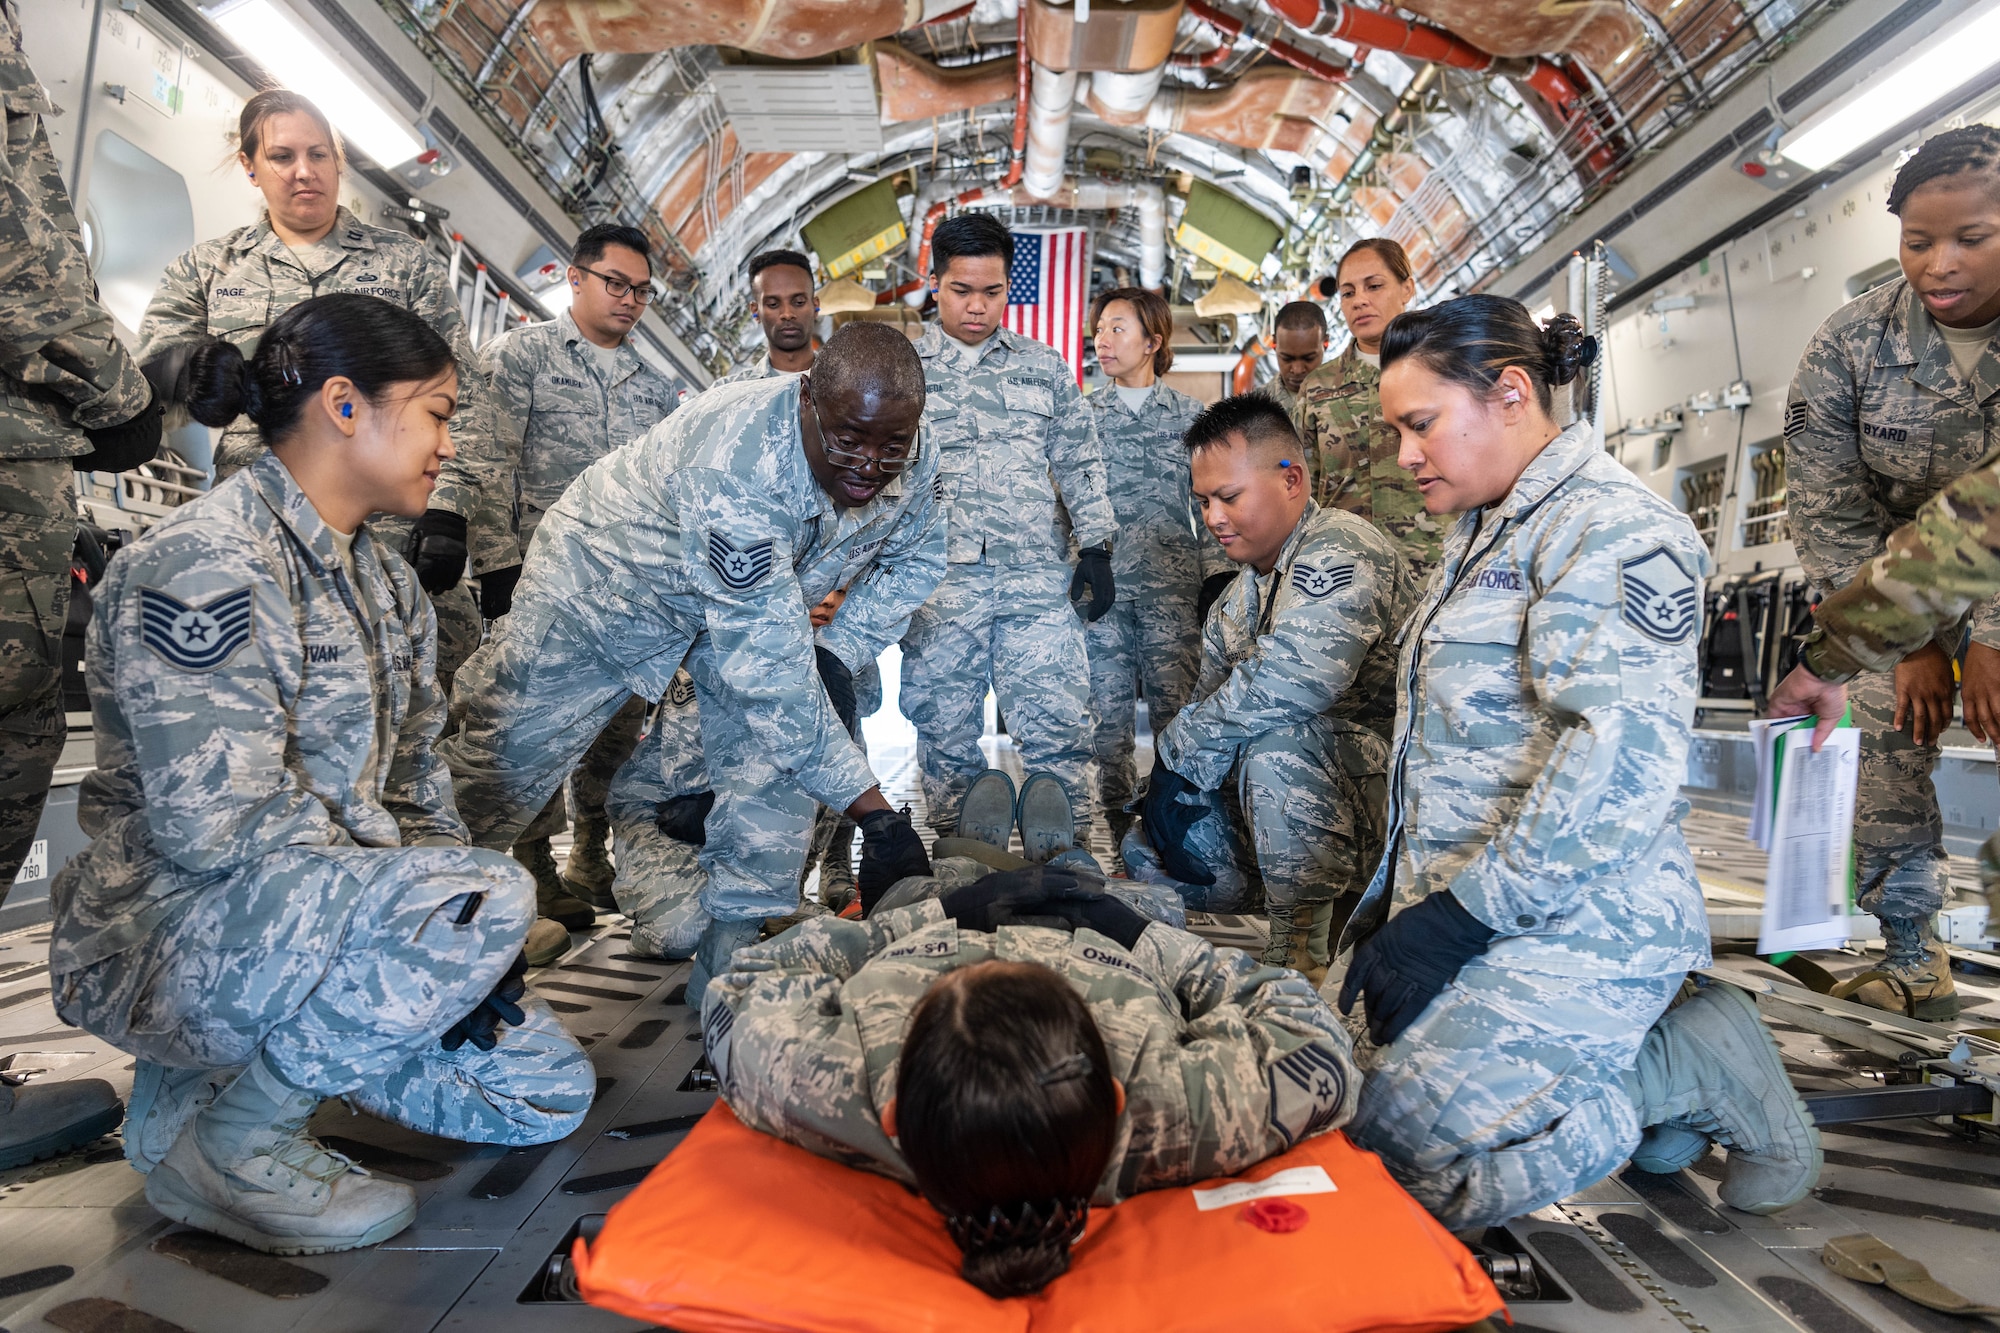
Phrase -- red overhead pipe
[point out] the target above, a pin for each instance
(963, 11)
(1023, 70)
(1421, 41)
(1233, 27)
(935, 213)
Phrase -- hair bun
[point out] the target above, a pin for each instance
(216, 384)
(1566, 348)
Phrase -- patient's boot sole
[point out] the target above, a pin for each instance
(987, 813)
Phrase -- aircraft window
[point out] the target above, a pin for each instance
(140, 218)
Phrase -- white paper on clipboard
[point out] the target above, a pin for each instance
(1811, 840)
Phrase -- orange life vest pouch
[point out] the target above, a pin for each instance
(738, 1232)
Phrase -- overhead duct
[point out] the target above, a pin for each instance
(794, 29)
(913, 88)
(1152, 236)
(1267, 108)
(1049, 106)
(1370, 28)
(1122, 99)
(1123, 38)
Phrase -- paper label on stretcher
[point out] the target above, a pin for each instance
(1295, 1180)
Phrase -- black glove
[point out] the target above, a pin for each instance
(496, 591)
(502, 1006)
(890, 850)
(839, 682)
(1110, 916)
(1005, 896)
(437, 549)
(1168, 821)
(1401, 967)
(125, 445)
(1093, 570)
(685, 818)
(1212, 589)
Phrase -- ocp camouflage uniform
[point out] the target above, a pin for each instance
(703, 543)
(557, 411)
(1150, 638)
(1224, 1062)
(234, 286)
(277, 863)
(1934, 569)
(1878, 422)
(1295, 703)
(1018, 462)
(1546, 703)
(1353, 454)
(62, 370)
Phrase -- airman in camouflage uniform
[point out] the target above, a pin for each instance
(1878, 422)
(1295, 703)
(65, 372)
(1275, 390)
(1018, 462)
(1935, 568)
(760, 369)
(232, 287)
(703, 543)
(1150, 636)
(557, 412)
(266, 878)
(62, 372)
(1547, 688)
(1352, 451)
(1224, 1062)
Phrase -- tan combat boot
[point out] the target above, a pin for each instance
(1299, 938)
(552, 897)
(589, 872)
(1914, 978)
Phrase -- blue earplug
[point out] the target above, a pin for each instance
(347, 409)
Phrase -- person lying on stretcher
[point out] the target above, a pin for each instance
(1019, 1046)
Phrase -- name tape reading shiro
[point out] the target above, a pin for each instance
(1296, 1180)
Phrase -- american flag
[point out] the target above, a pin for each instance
(1045, 290)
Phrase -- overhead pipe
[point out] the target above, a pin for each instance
(1235, 28)
(1341, 21)
(1147, 196)
(1122, 98)
(1050, 103)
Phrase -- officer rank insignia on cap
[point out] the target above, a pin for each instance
(1318, 583)
(1307, 1089)
(194, 638)
(739, 567)
(1660, 598)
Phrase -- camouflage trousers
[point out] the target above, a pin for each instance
(660, 879)
(590, 781)
(37, 537)
(541, 690)
(1151, 642)
(1010, 626)
(1901, 868)
(1509, 1092)
(343, 966)
(1303, 811)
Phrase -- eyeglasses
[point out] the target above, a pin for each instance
(889, 464)
(617, 288)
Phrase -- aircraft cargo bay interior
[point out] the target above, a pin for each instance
(1032, 664)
